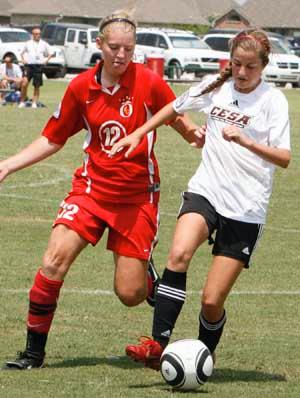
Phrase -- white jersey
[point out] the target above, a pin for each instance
(35, 52)
(237, 182)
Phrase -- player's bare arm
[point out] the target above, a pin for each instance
(191, 132)
(278, 156)
(38, 150)
(131, 141)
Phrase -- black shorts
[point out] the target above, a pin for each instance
(34, 72)
(235, 239)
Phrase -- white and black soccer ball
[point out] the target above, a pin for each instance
(186, 364)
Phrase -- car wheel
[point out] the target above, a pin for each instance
(54, 74)
(62, 72)
(174, 70)
(51, 74)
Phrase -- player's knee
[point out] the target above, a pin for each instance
(179, 259)
(212, 305)
(130, 296)
(54, 264)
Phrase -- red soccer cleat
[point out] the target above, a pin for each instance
(148, 352)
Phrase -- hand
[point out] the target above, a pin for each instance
(4, 171)
(199, 136)
(235, 134)
(131, 141)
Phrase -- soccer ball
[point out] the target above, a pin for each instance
(186, 364)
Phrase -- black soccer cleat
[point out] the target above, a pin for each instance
(155, 279)
(25, 361)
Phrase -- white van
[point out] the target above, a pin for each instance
(182, 51)
(77, 41)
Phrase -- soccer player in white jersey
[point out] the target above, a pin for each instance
(247, 136)
(109, 102)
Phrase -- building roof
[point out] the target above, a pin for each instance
(7, 5)
(272, 14)
(147, 11)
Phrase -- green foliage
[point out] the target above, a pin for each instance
(259, 355)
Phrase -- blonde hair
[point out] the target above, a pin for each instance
(122, 18)
(249, 40)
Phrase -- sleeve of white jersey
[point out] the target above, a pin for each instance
(191, 100)
(278, 121)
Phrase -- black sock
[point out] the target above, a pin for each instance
(211, 332)
(36, 342)
(170, 298)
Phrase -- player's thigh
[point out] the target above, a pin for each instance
(64, 246)
(190, 232)
(130, 273)
(130, 281)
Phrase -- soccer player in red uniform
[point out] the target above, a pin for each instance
(109, 101)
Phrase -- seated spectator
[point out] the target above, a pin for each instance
(11, 76)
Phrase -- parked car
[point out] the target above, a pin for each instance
(77, 41)
(12, 41)
(182, 51)
(283, 67)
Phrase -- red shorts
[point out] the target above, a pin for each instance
(132, 228)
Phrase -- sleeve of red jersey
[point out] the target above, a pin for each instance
(66, 121)
(161, 95)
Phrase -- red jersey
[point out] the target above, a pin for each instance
(107, 116)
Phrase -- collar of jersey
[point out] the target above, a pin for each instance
(124, 81)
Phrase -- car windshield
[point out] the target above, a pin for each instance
(187, 42)
(94, 34)
(278, 47)
(218, 43)
(222, 44)
(13, 37)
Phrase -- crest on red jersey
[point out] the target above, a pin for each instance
(126, 108)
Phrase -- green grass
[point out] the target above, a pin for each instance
(259, 355)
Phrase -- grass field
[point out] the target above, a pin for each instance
(259, 355)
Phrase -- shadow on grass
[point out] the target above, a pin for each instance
(231, 375)
(164, 387)
(116, 361)
(222, 375)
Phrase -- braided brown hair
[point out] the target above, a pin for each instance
(249, 40)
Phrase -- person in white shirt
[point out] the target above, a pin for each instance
(11, 76)
(35, 54)
(247, 135)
